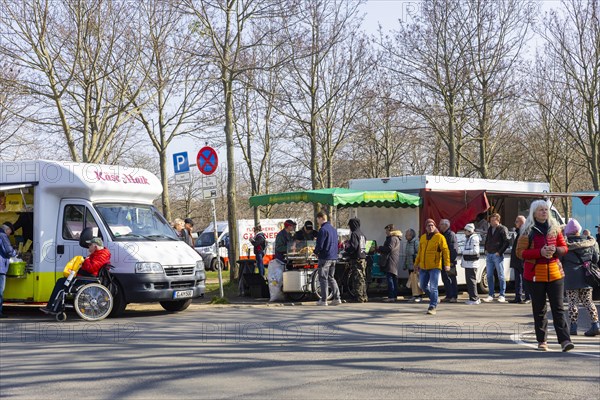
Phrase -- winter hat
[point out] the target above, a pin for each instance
(9, 225)
(470, 228)
(428, 220)
(573, 227)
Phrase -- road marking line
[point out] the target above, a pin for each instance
(517, 338)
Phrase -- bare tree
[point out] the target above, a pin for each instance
(429, 58)
(573, 44)
(501, 29)
(225, 24)
(177, 89)
(78, 62)
(319, 80)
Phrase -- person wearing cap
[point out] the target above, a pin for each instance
(283, 239)
(582, 249)
(432, 256)
(259, 242)
(470, 263)
(390, 260)
(306, 233)
(189, 227)
(517, 264)
(98, 257)
(6, 252)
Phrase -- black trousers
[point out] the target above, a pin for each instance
(555, 293)
(471, 279)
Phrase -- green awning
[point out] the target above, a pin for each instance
(340, 197)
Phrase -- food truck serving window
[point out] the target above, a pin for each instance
(135, 222)
(75, 218)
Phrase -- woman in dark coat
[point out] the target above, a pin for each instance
(390, 260)
(581, 250)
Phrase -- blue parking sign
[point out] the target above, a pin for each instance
(180, 162)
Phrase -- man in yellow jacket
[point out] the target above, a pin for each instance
(433, 254)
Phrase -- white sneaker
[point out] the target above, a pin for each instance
(488, 299)
(336, 302)
(473, 302)
(501, 299)
(321, 303)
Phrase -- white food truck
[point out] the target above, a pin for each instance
(459, 200)
(58, 200)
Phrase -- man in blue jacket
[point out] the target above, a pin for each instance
(326, 250)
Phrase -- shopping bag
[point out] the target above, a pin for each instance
(73, 265)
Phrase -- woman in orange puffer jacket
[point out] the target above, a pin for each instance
(540, 245)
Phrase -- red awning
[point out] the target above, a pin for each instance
(458, 206)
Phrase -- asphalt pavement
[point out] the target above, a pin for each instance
(294, 351)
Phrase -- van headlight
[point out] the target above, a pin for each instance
(148, 268)
(199, 265)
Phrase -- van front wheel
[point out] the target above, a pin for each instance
(482, 286)
(177, 305)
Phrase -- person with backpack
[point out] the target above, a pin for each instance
(540, 246)
(357, 259)
(470, 263)
(259, 241)
(581, 250)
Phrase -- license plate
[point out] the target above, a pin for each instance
(183, 294)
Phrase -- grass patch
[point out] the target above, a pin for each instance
(218, 300)
(230, 289)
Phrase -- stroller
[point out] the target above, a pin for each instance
(91, 296)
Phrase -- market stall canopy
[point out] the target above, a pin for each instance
(340, 197)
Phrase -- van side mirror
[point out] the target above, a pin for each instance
(222, 243)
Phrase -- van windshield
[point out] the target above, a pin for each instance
(207, 239)
(135, 222)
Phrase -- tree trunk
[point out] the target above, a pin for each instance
(231, 187)
(164, 180)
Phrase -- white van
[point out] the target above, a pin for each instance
(58, 200)
(458, 199)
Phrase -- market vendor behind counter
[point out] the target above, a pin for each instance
(306, 233)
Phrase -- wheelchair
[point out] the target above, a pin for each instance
(90, 296)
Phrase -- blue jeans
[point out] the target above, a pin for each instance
(2, 286)
(450, 285)
(520, 288)
(429, 279)
(260, 264)
(392, 282)
(494, 262)
(326, 273)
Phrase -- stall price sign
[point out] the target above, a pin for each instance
(207, 160)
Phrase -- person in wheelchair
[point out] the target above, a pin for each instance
(99, 256)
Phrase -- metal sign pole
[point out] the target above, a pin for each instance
(214, 210)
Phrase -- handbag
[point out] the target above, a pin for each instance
(470, 257)
(452, 271)
(592, 272)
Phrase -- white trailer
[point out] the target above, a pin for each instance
(456, 199)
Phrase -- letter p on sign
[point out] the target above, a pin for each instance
(180, 162)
